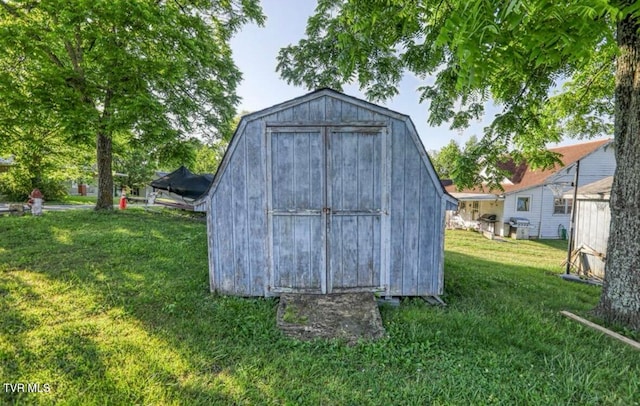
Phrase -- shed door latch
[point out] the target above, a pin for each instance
(326, 210)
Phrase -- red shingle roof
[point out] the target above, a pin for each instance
(523, 177)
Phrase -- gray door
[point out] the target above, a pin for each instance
(296, 217)
(325, 210)
(355, 199)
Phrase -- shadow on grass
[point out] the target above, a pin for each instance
(116, 309)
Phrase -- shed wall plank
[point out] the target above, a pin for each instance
(365, 114)
(240, 219)
(300, 112)
(214, 243)
(317, 110)
(428, 258)
(349, 112)
(256, 194)
(285, 115)
(397, 208)
(225, 229)
(413, 167)
(301, 171)
(333, 109)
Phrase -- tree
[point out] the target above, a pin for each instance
(43, 158)
(209, 155)
(514, 53)
(444, 159)
(157, 70)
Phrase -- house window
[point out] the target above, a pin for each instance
(562, 206)
(523, 203)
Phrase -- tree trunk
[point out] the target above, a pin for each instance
(105, 176)
(620, 300)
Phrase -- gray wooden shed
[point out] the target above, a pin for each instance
(326, 193)
(591, 230)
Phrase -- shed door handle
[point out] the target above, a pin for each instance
(326, 210)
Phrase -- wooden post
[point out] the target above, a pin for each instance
(573, 217)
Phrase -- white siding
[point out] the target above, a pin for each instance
(536, 205)
(544, 223)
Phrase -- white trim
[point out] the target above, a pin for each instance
(529, 208)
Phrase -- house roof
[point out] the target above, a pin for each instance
(524, 177)
(599, 190)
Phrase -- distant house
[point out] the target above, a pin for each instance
(591, 229)
(533, 201)
(5, 164)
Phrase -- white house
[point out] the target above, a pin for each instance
(535, 197)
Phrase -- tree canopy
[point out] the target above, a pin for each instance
(444, 160)
(515, 53)
(157, 70)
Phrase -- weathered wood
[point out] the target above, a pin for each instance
(300, 112)
(411, 252)
(239, 221)
(296, 209)
(225, 229)
(325, 193)
(601, 329)
(349, 112)
(363, 125)
(256, 188)
(333, 110)
(316, 110)
(428, 237)
(353, 210)
(397, 210)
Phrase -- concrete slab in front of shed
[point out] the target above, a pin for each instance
(348, 316)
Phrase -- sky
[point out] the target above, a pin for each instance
(255, 50)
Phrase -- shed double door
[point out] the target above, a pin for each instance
(326, 208)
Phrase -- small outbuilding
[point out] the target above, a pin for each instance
(326, 193)
(591, 229)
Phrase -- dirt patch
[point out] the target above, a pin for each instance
(348, 316)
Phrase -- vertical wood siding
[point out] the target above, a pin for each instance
(297, 184)
(356, 207)
(593, 218)
(237, 220)
(407, 216)
(416, 224)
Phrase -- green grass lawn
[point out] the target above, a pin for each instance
(77, 200)
(115, 309)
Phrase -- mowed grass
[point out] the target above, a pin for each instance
(115, 309)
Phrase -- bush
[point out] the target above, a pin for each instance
(17, 184)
